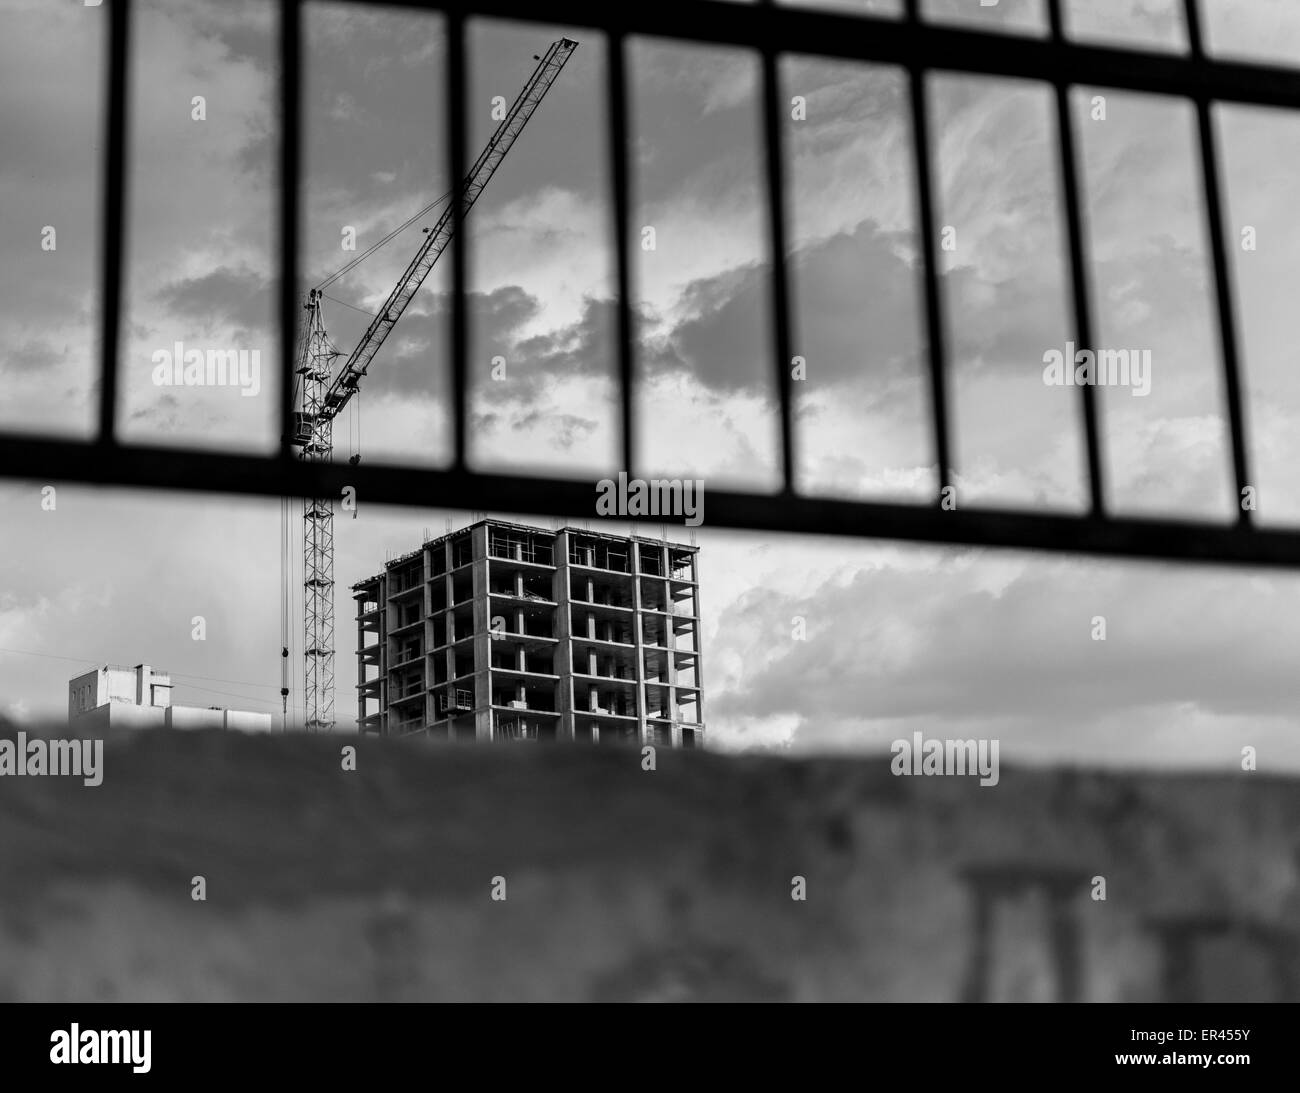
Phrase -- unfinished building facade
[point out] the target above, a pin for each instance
(505, 631)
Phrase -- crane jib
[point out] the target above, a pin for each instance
(529, 98)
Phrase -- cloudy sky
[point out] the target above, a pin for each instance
(1197, 661)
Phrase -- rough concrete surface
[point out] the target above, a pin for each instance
(623, 884)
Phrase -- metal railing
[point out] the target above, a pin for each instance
(770, 31)
(456, 699)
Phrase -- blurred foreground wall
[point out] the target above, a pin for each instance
(377, 884)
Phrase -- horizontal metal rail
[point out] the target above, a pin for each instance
(216, 472)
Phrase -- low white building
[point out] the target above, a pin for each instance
(141, 698)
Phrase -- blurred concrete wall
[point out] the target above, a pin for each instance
(324, 883)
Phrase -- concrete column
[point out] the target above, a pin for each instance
(699, 650)
(638, 641)
(426, 645)
(975, 985)
(482, 636)
(564, 631)
(382, 638)
(1066, 948)
(448, 655)
(670, 640)
(361, 667)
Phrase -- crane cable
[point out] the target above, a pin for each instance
(320, 288)
(386, 239)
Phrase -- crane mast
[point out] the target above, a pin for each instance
(323, 397)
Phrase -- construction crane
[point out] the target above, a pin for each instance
(324, 396)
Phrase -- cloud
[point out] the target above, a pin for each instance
(415, 357)
(855, 316)
(33, 356)
(936, 645)
(236, 299)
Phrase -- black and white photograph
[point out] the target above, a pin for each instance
(723, 501)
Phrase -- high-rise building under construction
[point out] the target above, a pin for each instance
(503, 631)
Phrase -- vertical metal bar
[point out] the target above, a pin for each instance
(618, 148)
(1072, 191)
(114, 227)
(1222, 281)
(290, 167)
(933, 313)
(1192, 17)
(925, 213)
(1056, 24)
(776, 211)
(459, 244)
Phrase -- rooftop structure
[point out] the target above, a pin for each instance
(115, 697)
